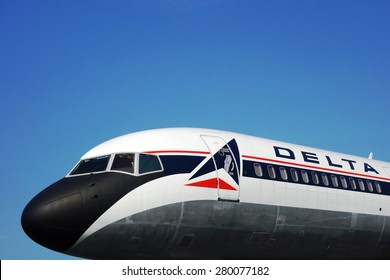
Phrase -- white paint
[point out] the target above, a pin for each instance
(173, 189)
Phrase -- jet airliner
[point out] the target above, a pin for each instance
(188, 193)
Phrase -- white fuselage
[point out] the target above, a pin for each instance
(208, 169)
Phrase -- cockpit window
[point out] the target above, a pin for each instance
(148, 163)
(132, 163)
(123, 162)
(91, 165)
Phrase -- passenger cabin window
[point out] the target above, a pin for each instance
(294, 175)
(305, 176)
(258, 170)
(369, 185)
(378, 187)
(352, 183)
(271, 171)
(283, 173)
(344, 182)
(325, 179)
(149, 163)
(123, 162)
(314, 177)
(335, 181)
(87, 166)
(361, 185)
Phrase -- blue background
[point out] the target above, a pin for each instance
(76, 73)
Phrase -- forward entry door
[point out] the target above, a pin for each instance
(227, 167)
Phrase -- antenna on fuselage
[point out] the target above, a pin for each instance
(371, 155)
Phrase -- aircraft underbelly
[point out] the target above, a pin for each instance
(226, 230)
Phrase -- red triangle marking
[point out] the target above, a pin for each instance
(225, 186)
(209, 183)
(212, 183)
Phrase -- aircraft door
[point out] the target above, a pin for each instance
(226, 160)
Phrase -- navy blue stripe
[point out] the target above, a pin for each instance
(249, 171)
(179, 164)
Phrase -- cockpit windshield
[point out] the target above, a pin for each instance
(148, 163)
(123, 162)
(97, 164)
(128, 162)
(132, 163)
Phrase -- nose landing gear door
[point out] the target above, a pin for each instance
(226, 160)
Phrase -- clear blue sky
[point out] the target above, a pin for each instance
(76, 73)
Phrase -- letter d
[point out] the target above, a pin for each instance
(284, 152)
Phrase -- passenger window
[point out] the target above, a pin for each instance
(148, 163)
(369, 185)
(325, 179)
(361, 185)
(258, 170)
(283, 173)
(335, 181)
(378, 187)
(305, 177)
(271, 171)
(353, 183)
(344, 182)
(314, 177)
(294, 175)
(123, 162)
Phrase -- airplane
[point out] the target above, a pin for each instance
(191, 193)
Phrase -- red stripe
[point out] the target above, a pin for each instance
(177, 152)
(316, 167)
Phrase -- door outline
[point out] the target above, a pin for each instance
(227, 171)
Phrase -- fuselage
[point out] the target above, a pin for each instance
(185, 193)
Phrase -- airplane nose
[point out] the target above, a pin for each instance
(53, 218)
